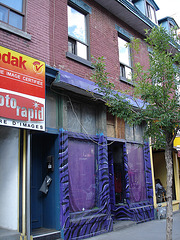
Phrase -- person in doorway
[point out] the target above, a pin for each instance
(160, 192)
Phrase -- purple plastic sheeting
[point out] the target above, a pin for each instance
(136, 173)
(81, 157)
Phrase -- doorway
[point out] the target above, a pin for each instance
(44, 200)
(116, 174)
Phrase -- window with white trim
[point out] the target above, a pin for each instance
(125, 60)
(78, 32)
(12, 12)
(151, 13)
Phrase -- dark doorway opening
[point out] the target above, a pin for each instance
(44, 203)
(116, 173)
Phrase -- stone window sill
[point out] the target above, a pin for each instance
(15, 31)
(79, 59)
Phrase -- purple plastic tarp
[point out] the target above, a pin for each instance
(81, 165)
(136, 173)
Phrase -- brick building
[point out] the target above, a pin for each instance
(85, 168)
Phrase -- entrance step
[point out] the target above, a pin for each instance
(121, 224)
(45, 234)
(6, 234)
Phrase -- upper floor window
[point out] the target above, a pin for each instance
(12, 12)
(77, 32)
(134, 133)
(125, 59)
(151, 13)
(173, 30)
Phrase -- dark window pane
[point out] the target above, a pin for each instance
(15, 20)
(122, 71)
(71, 46)
(3, 14)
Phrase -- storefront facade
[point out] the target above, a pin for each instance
(91, 162)
(66, 175)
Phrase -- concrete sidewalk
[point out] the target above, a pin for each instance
(153, 230)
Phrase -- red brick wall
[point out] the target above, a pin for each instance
(37, 24)
(47, 24)
(103, 42)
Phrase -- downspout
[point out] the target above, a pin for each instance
(28, 186)
(24, 187)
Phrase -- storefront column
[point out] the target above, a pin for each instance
(152, 171)
(26, 187)
(176, 175)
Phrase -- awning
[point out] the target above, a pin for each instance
(85, 87)
(75, 84)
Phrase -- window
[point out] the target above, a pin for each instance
(81, 117)
(125, 60)
(151, 14)
(12, 12)
(174, 32)
(115, 126)
(77, 33)
(134, 132)
(82, 175)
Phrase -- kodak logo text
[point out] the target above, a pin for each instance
(14, 61)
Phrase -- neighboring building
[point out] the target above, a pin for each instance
(84, 168)
(159, 164)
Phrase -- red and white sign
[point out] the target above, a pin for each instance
(22, 90)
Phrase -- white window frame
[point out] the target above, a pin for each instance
(149, 9)
(125, 66)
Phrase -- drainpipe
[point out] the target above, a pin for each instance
(26, 187)
(28, 182)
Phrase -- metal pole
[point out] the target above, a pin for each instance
(28, 181)
(24, 186)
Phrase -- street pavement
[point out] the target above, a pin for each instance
(152, 230)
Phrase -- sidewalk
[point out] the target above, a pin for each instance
(153, 230)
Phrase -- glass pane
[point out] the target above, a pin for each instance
(122, 70)
(15, 20)
(124, 56)
(138, 133)
(136, 173)
(71, 47)
(3, 14)
(129, 132)
(76, 24)
(128, 73)
(81, 50)
(81, 166)
(73, 117)
(88, 119)
(16, 4)
(152, 14)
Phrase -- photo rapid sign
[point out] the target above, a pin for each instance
(22, 91)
